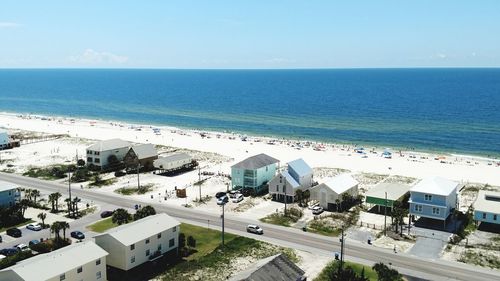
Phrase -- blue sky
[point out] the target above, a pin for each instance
(249, 33)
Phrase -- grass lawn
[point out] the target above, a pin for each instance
(369, 272)
(4, 228)
(102, 225)
(212, 262)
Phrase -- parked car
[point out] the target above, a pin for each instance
(9, 251)
(234, 193)
(34, 226)
(238, 198)
(22, 247)
(77, 235)
(248, 192)
(219, 194)
(2, 257)
(33, 242)
(317, 210)
(120, 173)
(14, 232)
(222, 200)
(252, 228)
(106, 214)
(0, 238)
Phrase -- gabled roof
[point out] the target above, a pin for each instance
(274, 268)
(106, 145)
(300, 167)
(290, 179)
(144, 151)
(435, 185)
(487, 201)
(255, 162)
(139, 230)
(4, 186)
(341, 183)
(50, 265)
(394, 191)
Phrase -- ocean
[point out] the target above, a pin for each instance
(449, 110)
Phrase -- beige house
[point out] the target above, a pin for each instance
(98, 154)
(80, 261)
(332, 189)
(133, 244)
(143, 154)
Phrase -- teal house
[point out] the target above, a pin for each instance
(8, 194)
(487, 207)
(253, 172)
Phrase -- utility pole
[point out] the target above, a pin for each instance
(69, 190)
(222, 217)
(342, 237)
(385, 215)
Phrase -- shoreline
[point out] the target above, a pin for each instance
(367, 146)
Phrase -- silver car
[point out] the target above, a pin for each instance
(252, 228)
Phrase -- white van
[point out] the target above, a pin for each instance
(238, 198)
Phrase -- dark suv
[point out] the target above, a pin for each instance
(14, 232)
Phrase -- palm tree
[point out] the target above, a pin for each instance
(35, 193)
(52, 200)
(24, 203)
(337, 205)
(27, 194)
(57, 196)
(307, 195)
(64, 225)
(68, 203)
(56, 228)
(75, 202)
(121, 216)
(300, 196)
(144, 212)
(42, 216)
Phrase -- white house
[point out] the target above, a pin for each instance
(173, 162)
(4, 139)
(297, 176)
(332, 189)
(80, 261)
(487, 207)
(98, 154)
(135, 243)
(433, 198)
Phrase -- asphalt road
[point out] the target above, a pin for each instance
(289, 237)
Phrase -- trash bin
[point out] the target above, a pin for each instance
(304, 228)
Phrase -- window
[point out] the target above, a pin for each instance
(97, 160)
(132, 259)
(89, 152)
(96, 153)
(89, 159)
(62, 277)
(418, 208)
(159, 247)
(171, 243)
(484, 216)
(428, 197)
(147, 241)
(174, 229)
(98, 262)
(132, 247)
(494, 217)
(267, 168)
(79, 270)
(147, 252)
(159, 235)
(435, 211)
(98, 275)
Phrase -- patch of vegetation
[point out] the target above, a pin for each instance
(102, 225)
(134, 190)
(480, 258)
(291, 217)
(211, 261)
(467, 227)
(369, 178)
(331, 224)
(400, 179)
(88, 211)
(4, 227)
(10, 261)
(359, 269)
(9, 171)
(53, 172)
(244, 205)
(101, 182)
(203, 200)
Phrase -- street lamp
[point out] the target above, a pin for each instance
(342, 241)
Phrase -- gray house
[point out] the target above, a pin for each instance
(274, 268)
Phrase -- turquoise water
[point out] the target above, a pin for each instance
(453, 110)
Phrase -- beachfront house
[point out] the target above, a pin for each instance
(253, 172)
(487, 207)
(298, 175)
(78, 261)
(391, 192)
(8, 194)
(174, 162)
(144, 240)
(277, 267)
(142, 155)
(433, 198)
(100, 153)
(329, 193)
(4, 139)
